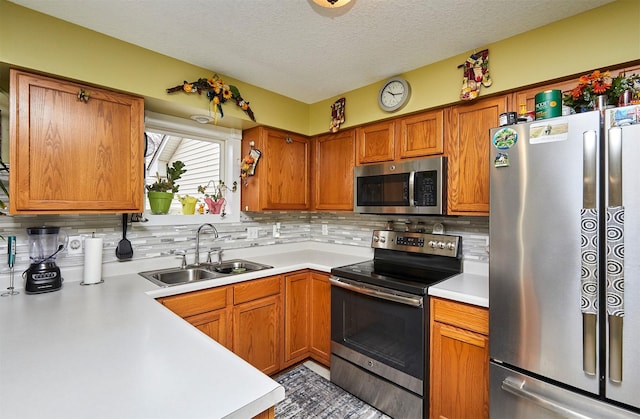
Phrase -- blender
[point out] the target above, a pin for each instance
(43, 275)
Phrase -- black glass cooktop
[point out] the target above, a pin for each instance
(414, 280)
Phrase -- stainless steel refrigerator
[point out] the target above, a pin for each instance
(564, 271)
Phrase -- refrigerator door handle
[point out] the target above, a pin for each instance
(589, 169)
(615, 253)
(589, 252)
(517, 388)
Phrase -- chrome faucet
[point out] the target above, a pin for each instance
(196, 260)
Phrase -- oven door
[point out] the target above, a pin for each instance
(379, 330)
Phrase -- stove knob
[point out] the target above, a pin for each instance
(375, 239)
(383, 239)
(441, 245)
(451, 246)
(432, 244)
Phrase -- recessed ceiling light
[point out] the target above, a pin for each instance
(203, 119)
(331, 3)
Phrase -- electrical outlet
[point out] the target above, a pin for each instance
(325, 229)
(252, 232)
(75, 245)
(276, 230)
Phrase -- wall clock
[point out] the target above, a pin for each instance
(394, 94)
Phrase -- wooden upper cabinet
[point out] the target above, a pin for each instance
(281, 181)
(375, 143)
(467, 147)
(420, 135)
(74, 148)
(334, 158)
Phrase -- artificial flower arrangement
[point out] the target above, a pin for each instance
(215, 200)
(601, 83)
(217, 91)
(589, 87)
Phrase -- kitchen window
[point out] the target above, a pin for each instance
(210, 153)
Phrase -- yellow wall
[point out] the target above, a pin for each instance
(599, 38)
(36, 41)
(596, 39)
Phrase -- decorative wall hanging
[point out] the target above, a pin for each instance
(476, 74)
(337, 114)
(218, 93)
(249, 162)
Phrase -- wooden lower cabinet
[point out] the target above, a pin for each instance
(267, 414)
(207, 310)
(297, 310)
(214, 324)
(257, 323)
(272, 322)
(459, 361)
(320, 337)
(307, 317)
(256, 333)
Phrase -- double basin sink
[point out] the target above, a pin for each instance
(201, 272)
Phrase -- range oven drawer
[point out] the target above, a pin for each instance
(383, 395)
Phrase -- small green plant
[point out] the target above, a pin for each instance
(217, 190)
(622, 83)
(168, 184)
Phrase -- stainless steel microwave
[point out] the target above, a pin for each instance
(409, 187)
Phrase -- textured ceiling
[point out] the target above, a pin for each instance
(303, 51)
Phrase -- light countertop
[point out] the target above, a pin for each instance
(110, 350)
(471, 286)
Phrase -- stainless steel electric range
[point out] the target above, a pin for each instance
(380, 319)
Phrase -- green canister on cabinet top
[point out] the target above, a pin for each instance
(548, 104)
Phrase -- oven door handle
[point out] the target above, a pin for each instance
(377, 293)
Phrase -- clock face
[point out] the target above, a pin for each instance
(393, 94)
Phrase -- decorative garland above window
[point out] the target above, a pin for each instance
(217, 91)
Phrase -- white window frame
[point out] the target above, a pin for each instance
(230, 140)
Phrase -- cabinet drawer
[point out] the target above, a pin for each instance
(252, 290)
(196, 302)
(464, 316)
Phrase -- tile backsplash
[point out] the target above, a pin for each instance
(153, 241)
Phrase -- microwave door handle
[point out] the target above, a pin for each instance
(412, 184)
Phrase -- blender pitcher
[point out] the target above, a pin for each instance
(43, 275)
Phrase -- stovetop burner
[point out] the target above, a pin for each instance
(409, 262)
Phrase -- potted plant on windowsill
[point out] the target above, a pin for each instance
(160, 193)
(215, 200)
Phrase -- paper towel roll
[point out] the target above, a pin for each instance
(92, 260)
